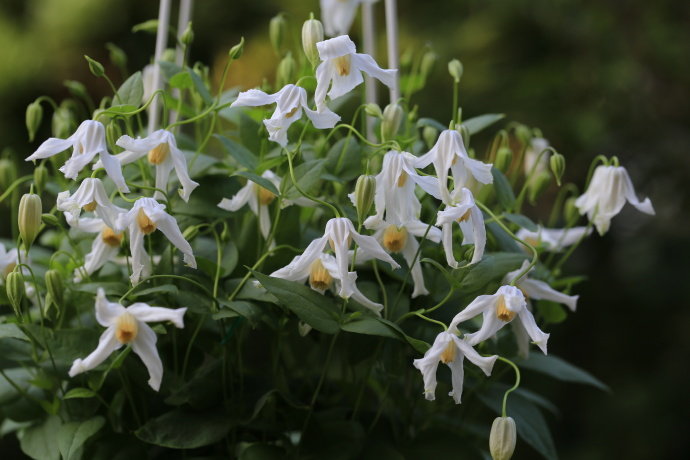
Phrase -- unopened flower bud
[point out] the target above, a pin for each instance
(187, 36)
(502, 438)
(312, 33)
(406, 57)
(430, 134)
(538, 185)
(117, 56)
(50, 219)
(392, 117)
(77, 89)
(40, 177)
(455, 69)
(55, 287)
(277, 31)
(364, 195)
(95, 67)
(29, 218)
(8, 173)
(428, 63)
(557, 163)
(570, 211)
(190, 232)
(286, 70)
(236, 51)
(523, 133)
(303, 328)
(504, 157)
(34, 115)
(63, 123)
(373, 110)
(14, 285)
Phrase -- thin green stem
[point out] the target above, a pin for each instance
(14, 185)
(321, 379)
(514, 387)
(305, 194)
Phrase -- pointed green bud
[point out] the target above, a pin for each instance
(236, 51)
(34, 115)
(406, 58)
(373, 110)
(502, 438)
(150, 26)
(392, 117)
(523, 133)
(95, 67)
(40, 177)
(117, 56)
(190, 232)
(8, 173)
(287, 69)
(455, 70)
(225, 234)
(49, 219)
(504, 157)
(55, 287)
(570, 211)
(430, 134)
(428, 62)
(538, 185)
(312, 33)
(364, 195)
(14, 286)
(277, 31)
(63, 123)
(557, 163)
(77, 89)
(29, 218)
(187, 36)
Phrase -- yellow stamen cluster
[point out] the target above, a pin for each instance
(402, 179)
(502, 311)
(126, 328)
(158, 154)
(90, 207)
(448, 355)
(395, 238)
(319, 278)
(343, 64)
(465, 217)
(145, 223)
(331, 243)
(111, 238)
(292, 112)
(266, 197)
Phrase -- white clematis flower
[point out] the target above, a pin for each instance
(451, 351)
(341, 69)
(160, 148)
(499, 309)
(338, 15)
(90, 196)
(8, 260)
(290, 101)
(128, 326)
(463, 210)
(339, 234)
(105, 246)
(553, 239)
(536, 289)
(608, 191)
(449, 153)
(145, 217)
(86, 142)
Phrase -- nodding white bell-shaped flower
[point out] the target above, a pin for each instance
(92, 197)
(498, 310)
(532, 158)
(463, 210)
(338, 15)
(338, 235)
(105, 246)
(341, 69)
(8, 260)
(146, 216)
(290, 101)
(86, 142)
(608, 191)
(127, 326)
(450, 350)
(160, 148)
(449, 153)
(553, 239)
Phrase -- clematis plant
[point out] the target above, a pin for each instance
(463, 210)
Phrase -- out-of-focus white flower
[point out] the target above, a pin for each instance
(104, 248)
(608, 191)
(451, 351)
(338, 15)
(145, 217)
(553, 239)
(290, 101)
(8, 260)
(449, 153)
(86, 142)
(148, 74)
(536, 146)
(128, 326)
(339, 234)
(463, 210)
(341, 69)
(90, 196)
(498, 310)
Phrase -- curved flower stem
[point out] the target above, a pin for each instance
(428, 310)
(256, 265)
(514, 387)
(394, 145)
(567, 188)
(598, 159)
(305, 194)
(382, 286)
(14, 185)
(528, 179)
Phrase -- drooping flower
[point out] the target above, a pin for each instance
(8, 260)
(128, 326)
(290, 101)
(608, 191)
(463, 210)
(341, 69)
(86, 142)
(104, 248)
(532, 158)
(144, 218)
(339, 234)
(498, 310)
(449, 153)
(90, 196)
(449, 349)
(553, 239)
(338, 15)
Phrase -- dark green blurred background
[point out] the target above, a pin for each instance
(604, 76)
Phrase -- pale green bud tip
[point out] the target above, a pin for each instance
(55, 286)
(312, 33)
(50, 219)
(570, 211)
(557, 163)
(190, 232)
(428, 63)
(502, 438)
(117, 56)
(95, 67)
(29, 218)
(8, 173)
(504, 158)
(373, 110)
(364, 195)
(539, 185)
(277, 30)
(14, 285)
(430, 134)
(40, 177)
(34, 115)
(392, 117)
(187, 36)
(455, 69)
(287, 68)
(236, 51)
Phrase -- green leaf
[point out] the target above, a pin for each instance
(316, 310)
(12, 331)
(262, 181)
(181, 80)
(240, 307)
(422, 122)
(522, 221)
(200, 86)
(476, 124)
(307, 175)
(492, 267)
(41, 441)
(73, 435)
(560, 369)
(162, 289)
(131, 92)
(344, 159)
(504, 192)
(262, 452)
(552, 312)
(79, 393)
(185, 430)
(239, 152)
(122, 109)
(373, 325)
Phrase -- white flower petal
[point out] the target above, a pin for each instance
(537, 335)
(148, 314)
(106, 345)
(144, 345)
(107, 312)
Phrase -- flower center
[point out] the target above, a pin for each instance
(158, 154)
(448, 355)
(395, 238)
(145, 224)
(465, 217)
(292, 112)
(319, 278)
(532, 241)
(266, 197)
(331, 243)
(402, 179)
(343, 64)
(90, 207)
(111, 238)
(502, 311)
(126, 328)
(8, 269)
